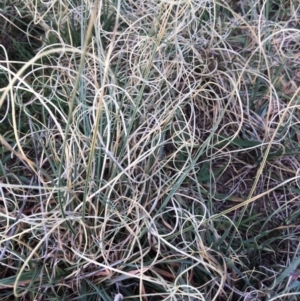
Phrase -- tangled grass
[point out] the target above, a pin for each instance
(150, 151)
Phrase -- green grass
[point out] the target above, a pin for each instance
(149, 151)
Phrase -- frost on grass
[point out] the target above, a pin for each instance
(159, 153)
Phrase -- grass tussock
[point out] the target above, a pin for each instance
(149, 150)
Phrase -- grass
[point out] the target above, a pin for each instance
(149, 150)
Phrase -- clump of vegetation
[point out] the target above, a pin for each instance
(150, 151)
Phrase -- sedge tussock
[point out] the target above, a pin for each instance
(149, 150)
